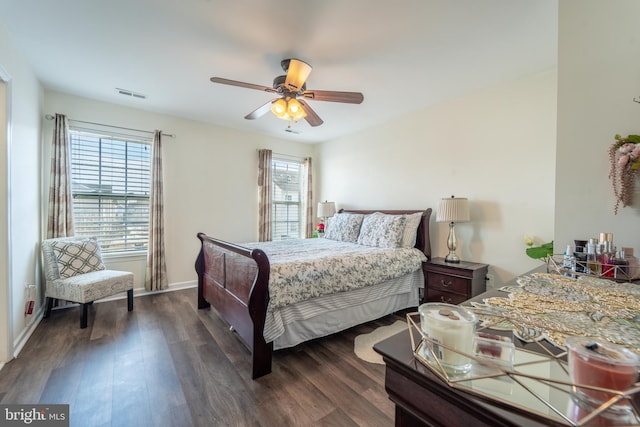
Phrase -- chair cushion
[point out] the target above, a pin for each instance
(84, 288)
(78, 256)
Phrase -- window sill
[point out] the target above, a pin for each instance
(125, 255)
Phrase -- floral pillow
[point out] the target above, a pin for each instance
(382, 231)
(344, 227)
(77, 257)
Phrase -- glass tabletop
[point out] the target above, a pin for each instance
(537, 382)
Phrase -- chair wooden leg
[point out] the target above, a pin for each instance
(83, 319)
(130, 300)
(47, 311)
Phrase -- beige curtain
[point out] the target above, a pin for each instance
(264, 195)
(156, 274)
(308, 199)
(60, 210)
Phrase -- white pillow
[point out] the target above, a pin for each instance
(411, 230)
(382, 231)
(344, 227)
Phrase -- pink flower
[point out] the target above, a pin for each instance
(627, 148)
(636, 152)
(622, 162)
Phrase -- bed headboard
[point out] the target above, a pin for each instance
(423, 241)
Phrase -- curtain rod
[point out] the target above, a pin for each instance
(291, 156)
(170, 135)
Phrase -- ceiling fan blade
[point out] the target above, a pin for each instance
(242, 84)
(312, 118)
(297, 74)
(260, 111)
(334, 96)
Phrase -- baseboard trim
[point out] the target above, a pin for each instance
(140, 292)
(172, 287)
(21, 340)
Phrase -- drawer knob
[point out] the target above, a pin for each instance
(443, 299)
(445, 284)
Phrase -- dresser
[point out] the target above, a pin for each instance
(453, 283)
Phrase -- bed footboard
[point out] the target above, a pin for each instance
(235, 281)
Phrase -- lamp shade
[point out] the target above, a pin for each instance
(297, 74)
(326, 209)
(453, 209)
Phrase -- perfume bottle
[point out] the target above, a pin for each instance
(608, 260)
(568, 262)
(606, 254)
(580, 259)
(593, 265)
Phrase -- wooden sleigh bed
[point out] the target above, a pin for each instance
(234, 279)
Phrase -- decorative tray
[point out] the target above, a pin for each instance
(535, 382)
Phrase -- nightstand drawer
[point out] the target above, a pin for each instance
(446, 297)
(443, 282)
(453, 283)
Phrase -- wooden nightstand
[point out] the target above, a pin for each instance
(453, 283)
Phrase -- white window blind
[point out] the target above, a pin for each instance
(110, 183)
(286, 209)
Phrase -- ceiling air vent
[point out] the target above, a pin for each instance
(131, 93)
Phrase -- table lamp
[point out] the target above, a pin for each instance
(326, 210)
(453, 210)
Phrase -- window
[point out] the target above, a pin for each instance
(110, 184)
(287, 190)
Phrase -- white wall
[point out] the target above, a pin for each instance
(210, 178)
(5, 293)
(495, 147)
(21, 207)
(598, 77)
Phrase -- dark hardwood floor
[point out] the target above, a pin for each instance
(169, 364)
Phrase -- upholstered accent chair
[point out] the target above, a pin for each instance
(74, 272)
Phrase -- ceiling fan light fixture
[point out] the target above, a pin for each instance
(297, 74)
(295, 110)
(293, 107)
(301, 114)
(279, 108)
(288, 109)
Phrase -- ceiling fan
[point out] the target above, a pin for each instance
(292, 88)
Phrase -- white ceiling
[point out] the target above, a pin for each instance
(403, 55)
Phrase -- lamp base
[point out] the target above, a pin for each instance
(452, 258)
(451, 245)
